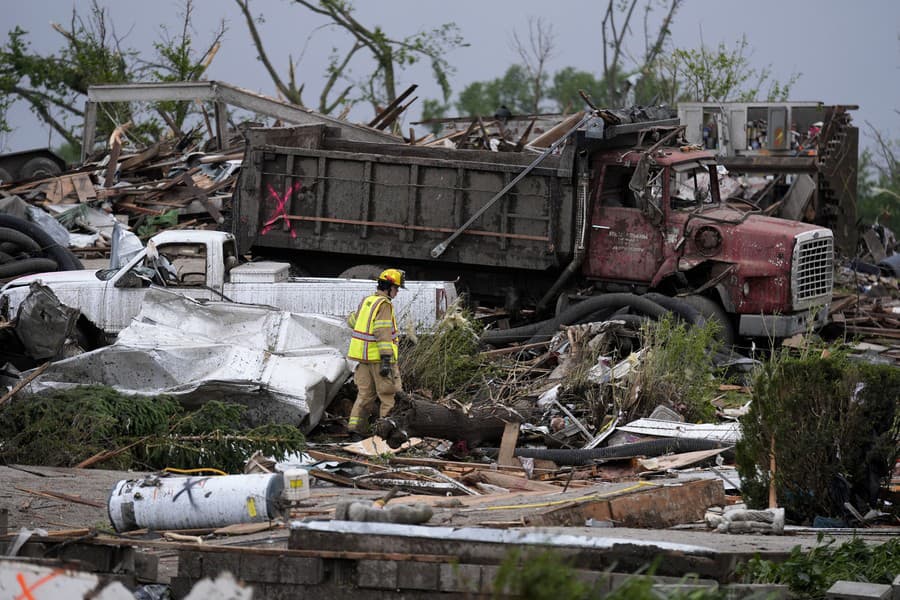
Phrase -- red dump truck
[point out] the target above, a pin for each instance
(612, 208)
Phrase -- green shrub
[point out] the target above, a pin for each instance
(810, 574)
(832, 421)
(676, 369)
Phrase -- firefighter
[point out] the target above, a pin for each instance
(374, 346)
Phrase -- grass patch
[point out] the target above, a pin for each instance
(676, 369)
(65, 427)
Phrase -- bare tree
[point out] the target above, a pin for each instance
(615, 27)
(389, 54)
(534, 53)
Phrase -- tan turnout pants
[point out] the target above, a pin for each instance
(372, 389)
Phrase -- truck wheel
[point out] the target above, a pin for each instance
(5, 177)
(363, 272)
(40, 166)
(712, 311)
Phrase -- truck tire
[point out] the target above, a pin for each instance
(40, 166)
(63, 256)
(712, 311)
(5, 176)
(362, 272)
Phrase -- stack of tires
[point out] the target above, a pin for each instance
(25, 248)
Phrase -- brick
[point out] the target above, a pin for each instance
(459, 578)
(856, 590)
(301, 570)
(418, 576)
(769, 591)
(379, 574)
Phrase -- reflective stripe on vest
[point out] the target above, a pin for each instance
(363, 344)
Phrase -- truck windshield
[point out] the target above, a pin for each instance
(690, 186)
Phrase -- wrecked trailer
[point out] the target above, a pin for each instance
(617, 204)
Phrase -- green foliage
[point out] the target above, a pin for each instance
(810, 574)
(567, 82)
(53, 85)
(677, 369)
(546, 575)
(878, 183)
(434, 109)
(513, 90)
(829, 419)
(446, 359)
(722, 74)
(540, 575)
(64, 427)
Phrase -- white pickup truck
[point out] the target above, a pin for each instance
(201, 267)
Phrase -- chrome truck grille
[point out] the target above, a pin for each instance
(812, 270)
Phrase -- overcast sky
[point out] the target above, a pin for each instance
(845, 52)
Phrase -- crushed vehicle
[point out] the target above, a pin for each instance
(620, 206)
(203, 264)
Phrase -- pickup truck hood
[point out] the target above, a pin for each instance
(82, 276)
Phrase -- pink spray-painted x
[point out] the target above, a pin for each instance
(281, 208)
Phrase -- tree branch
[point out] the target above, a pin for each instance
(291, 94)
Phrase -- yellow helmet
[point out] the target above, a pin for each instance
(394, 277)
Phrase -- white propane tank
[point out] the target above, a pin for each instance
(194, 502)
(296, 484)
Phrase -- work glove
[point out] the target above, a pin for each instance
(385, 369)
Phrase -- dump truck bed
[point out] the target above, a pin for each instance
(305, 189)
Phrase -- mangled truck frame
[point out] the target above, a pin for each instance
(619, 206)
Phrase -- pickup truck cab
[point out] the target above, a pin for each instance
(203, 265)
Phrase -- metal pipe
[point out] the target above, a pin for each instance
(582, 218)
(440, 248)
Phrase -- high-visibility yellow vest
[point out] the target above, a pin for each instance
(363, 345)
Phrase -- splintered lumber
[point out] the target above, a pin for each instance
(508, 444)
(24, 382)
(642, 505)
(510, 482)
(60, 496)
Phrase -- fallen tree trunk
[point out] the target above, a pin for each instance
(414, 416)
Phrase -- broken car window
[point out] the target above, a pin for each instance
(689, 187)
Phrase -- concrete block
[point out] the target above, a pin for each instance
(301, 570)
(896, 586)
(460, 578)
(856, 590)
(769, 591)
(146, 566)
(215, 563)
(379, 574)
(181, 586)
(190, 564)
(488, 575)
(666, 590)
(597, 580)
(418, 576)
(259, 569)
